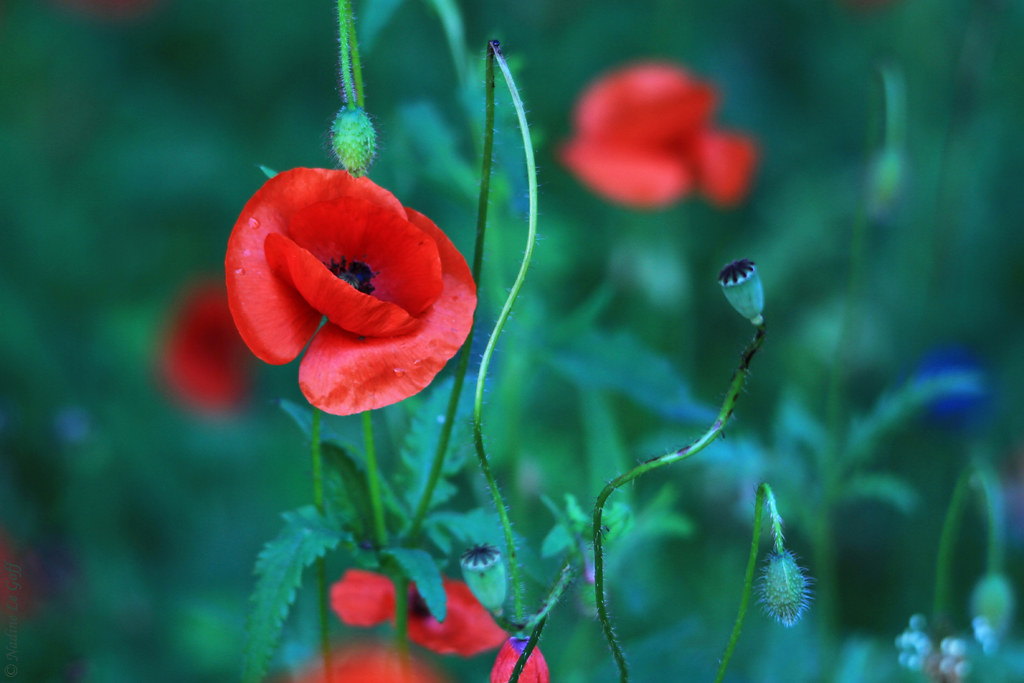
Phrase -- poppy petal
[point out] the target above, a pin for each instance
(344, 305)
(725, 166)
(405, 263)
(535, 671)
(273, 319)
(468, 628)
(343, 374)
(627, 175)
(653, 101)
(363, 598)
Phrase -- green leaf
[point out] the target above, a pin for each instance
(896, 407)
(421, 443)
(347, 493)
(302, 415)
(435, 150)
(469, 528)
(884, 488)
(373, 16)
(420, 568)
(556, 542)
(597, 360)
(306, 536)
(267, 171)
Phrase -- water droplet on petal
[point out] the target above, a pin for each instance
(417, 361)
(239, 271)
(254, 223)
(399, 372)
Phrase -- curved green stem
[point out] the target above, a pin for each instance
(373, 482)
(485, 467)
(348, 48)
(565, 577)
(478, 255)
(738, 379)
(321, 564)
(748, 580)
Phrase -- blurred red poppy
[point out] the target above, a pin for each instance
(205, 363)
(364, 598)
(395, 296)
(535, 671)
(643, 138)
(372, 663)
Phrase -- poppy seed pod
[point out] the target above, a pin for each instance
(485, 575)
(354, 141)
(742, 287)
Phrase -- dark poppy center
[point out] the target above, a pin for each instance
(356, 273)
(417, 605)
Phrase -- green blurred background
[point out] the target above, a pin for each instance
(130, 142)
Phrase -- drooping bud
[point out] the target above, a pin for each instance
(535, 671)
(992, 604)
(785, 590)
(742, 287)
(354, 141)
(484, 572)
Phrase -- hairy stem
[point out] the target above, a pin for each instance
(321, 564)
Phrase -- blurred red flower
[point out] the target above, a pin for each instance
(398, 298)
(535, 671)
(372, 664)
(364, 598)
(205, 363)
(643, 138)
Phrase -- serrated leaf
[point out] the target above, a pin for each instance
(373, 16)
(896, 407)
(420, 568)
(306, 536)
(598, 360)
(884, 488)
(346, 489)
(421, 441)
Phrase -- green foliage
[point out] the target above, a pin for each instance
(305, 537)
(419, 567)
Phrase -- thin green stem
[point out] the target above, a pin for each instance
(357, 64)
(531, 172)
(373, 482)
(401, 615)
(994, 516)
(530, 645)
(738, 379)
(565, 577)
(947, 544)
(478, 252)
(321, 564)
(346, 49)
(748, 580)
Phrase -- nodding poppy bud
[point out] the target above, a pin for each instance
(992, 603)
(485, 575)
(742, 287)
(354, 141)
(535, 671)
(785, 591)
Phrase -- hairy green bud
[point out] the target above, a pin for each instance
(785, 590)
(354, 141)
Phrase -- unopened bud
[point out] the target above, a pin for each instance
(993, 600)
(485, 575)
(785, 590)
(742, 287)
(354, 141)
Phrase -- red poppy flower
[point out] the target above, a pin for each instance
(204, 361)
(363, 598)
(363, 663)
(396, 296)
(535, 671)
(644, 138)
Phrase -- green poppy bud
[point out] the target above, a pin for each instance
(785, 590)
(354, 141)
(742, 287)
(992, 603)
(484, 572)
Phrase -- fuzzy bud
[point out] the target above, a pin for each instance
(742, 287)
(484, 572)
(785, 590)
(354, 141)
